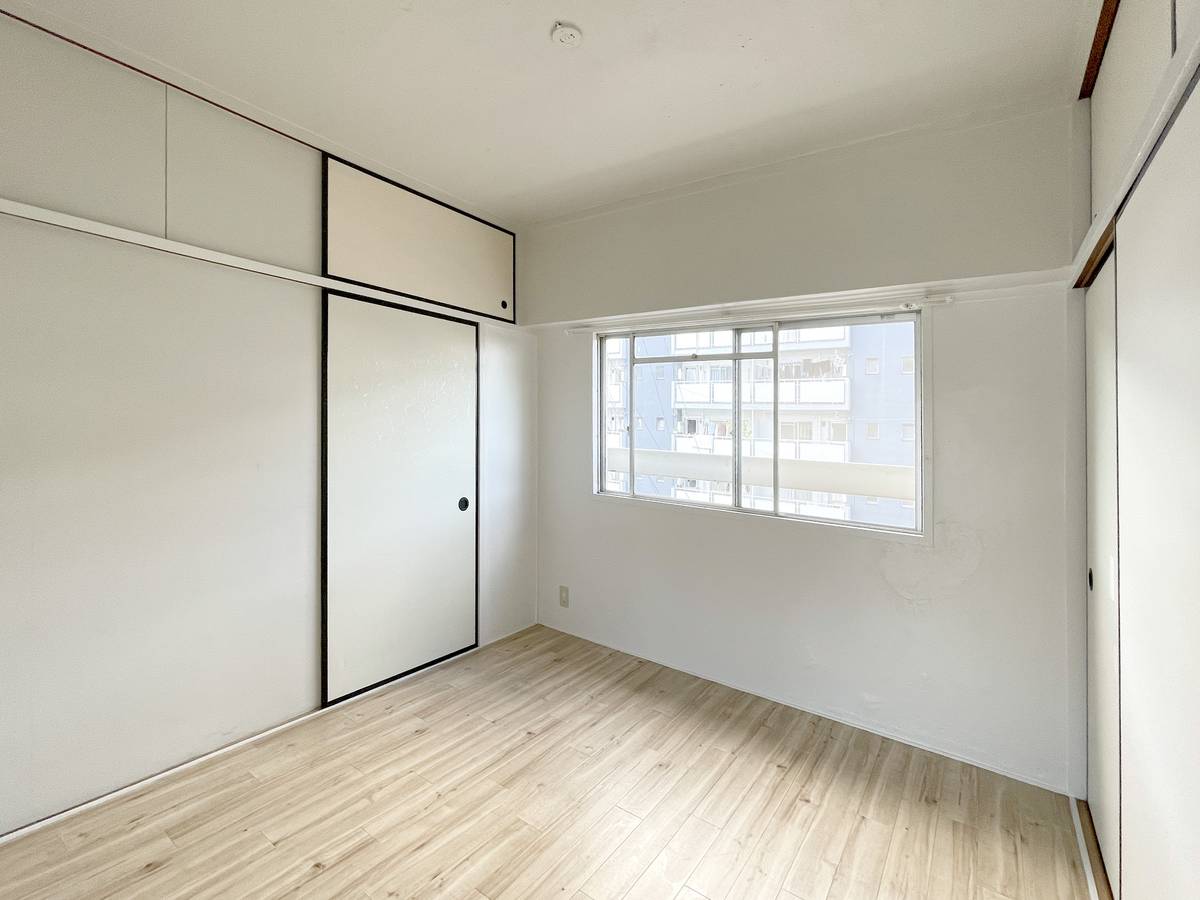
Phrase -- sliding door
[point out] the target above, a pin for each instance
(1104, 734)
(1158, 383)
(400, 564)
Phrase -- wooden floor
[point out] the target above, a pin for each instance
(546, 766)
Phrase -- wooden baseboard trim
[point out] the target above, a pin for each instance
(1093, 859)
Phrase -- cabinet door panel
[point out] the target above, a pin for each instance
(383, 235)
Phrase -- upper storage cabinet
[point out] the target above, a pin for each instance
(382, 235)
(78, 134)
(1137, 54)
(237, 187)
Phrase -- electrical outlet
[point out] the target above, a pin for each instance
(564, 595)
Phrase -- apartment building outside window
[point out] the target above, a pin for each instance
(776, 419)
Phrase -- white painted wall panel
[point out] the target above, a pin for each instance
(386, 236)
(79, 134)
(909, 208)
(159, 473)
(1187, 18)
(1158, 380)
(507, 482)
(1104, 749)
(1137, 55)
(966, 646)
(401, 453)
(236, 187)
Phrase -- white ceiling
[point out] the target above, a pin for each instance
(471, 99)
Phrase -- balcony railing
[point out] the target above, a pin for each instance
(814, 391)
(862, 479)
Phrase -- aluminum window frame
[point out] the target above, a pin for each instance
(921, 362)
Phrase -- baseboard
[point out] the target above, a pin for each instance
(116, 794)
(826, 714)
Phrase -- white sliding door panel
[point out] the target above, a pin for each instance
(383, 235)
(159, 497)
(401, 458)
(1158, 381)
(1104, 750)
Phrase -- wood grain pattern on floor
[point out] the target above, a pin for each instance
(547, 766)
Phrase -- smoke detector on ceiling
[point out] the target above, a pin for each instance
(565, 35)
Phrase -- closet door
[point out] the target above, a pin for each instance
(1104, 751)
(1158, 386)
(400, 480)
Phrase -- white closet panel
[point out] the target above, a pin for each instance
(79, 134)
(402, 394)
(1104, 751)
(1137, 54)
(1158, 383)
(237, 187)
(386, 236)
(159, 501)
(1187, 18)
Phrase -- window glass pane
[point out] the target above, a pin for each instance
(757, 443)
(846, 408)
(755, 341)
(615, 413)
(684, 343)
(691, 459)
(851, 392)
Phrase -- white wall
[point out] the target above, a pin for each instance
(508, 481)
(998, 198)
(971, 646)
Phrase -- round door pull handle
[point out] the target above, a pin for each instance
(463, 503)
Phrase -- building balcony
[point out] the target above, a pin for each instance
(862, 479)
(822, 393)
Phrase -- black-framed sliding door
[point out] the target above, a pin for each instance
(400, 483)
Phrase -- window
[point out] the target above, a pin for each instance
(768, 419)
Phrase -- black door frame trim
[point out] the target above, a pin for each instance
(326, 157)
(326, 700)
